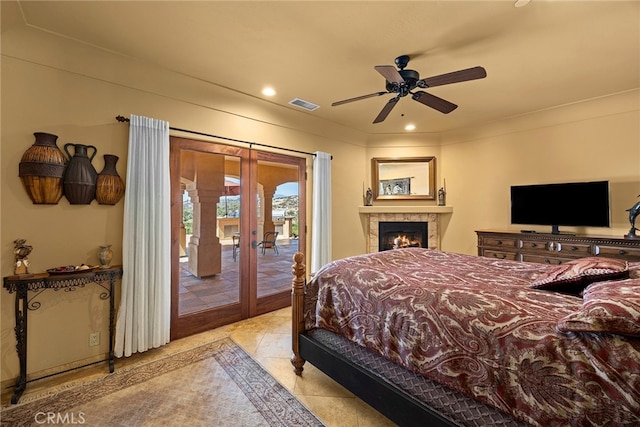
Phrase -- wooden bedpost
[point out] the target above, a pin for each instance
(297, 310)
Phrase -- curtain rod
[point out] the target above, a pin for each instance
(124, 119)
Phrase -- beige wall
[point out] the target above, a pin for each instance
(54, 85)
(58, 86)
(592, 140)
(597, 139)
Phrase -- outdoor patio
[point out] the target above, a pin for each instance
(274, 275)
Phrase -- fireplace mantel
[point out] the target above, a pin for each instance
(378, 214)
(405, 209)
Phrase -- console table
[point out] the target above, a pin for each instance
(41, 282)
(554, 248)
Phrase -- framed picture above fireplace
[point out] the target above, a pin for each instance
(403, 178)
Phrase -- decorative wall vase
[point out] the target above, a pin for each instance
(42, 168)
(80, 177)
(105, 255)
(109, 187)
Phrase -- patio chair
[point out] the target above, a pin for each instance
(269, 241)
(236, 246)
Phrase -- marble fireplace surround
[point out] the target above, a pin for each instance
(428, 214)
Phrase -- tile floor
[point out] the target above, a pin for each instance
(268, 339)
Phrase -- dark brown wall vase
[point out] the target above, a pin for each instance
(42, 168)
(80, 176)
(110, 187)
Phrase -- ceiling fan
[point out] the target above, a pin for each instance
(402, 82)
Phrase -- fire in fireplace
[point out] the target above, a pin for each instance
(395, 235)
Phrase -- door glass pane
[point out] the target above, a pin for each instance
(209, 242)
(278, 221)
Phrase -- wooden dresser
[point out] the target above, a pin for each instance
(554, 248)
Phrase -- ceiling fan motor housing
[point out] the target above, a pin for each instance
(410, 78)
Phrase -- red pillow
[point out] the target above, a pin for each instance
(573, 276)
(607, 307)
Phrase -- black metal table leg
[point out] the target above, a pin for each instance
(21, 342)
(112, 312)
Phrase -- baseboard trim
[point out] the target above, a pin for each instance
(58, 370)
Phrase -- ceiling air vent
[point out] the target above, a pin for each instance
(303, 104)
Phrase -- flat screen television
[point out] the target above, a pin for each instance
(576, 204)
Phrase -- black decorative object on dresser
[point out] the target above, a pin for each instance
(553, 248)
(634, 211)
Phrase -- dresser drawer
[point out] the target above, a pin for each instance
(618, 252)
(499, 254)
(500, 242)
(541, 259)
(574, 249)
(536, 245)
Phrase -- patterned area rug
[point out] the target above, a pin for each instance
(216, 384)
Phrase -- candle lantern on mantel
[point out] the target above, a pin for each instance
(442, 195)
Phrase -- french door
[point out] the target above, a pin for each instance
(238, 215)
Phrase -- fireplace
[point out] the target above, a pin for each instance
(404, 214)
(402, 234)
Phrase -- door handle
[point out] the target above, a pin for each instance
(254, 244)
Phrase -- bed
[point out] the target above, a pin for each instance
(434, 338)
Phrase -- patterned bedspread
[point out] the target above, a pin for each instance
(475, 325)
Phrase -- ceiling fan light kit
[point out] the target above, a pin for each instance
(403, 82)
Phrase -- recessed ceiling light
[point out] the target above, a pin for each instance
(410, 126)
(268, 91)
(521, 3)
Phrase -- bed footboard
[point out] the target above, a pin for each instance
(297, 310)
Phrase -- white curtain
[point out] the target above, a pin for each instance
(144, 316)
(321, 214)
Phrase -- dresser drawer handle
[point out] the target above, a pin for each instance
(622, 252)
(547, 261)
(499, 242)
(501, 256)
(574, 248)
(534, 245)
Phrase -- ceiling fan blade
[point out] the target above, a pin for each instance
(389, 73)
(454, 77)
(386, 110)
(433, 101)
(358, 98)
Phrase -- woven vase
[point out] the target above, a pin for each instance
(42, 168)
(80, 177)
(110, 186)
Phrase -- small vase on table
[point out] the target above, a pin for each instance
(105, 255)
